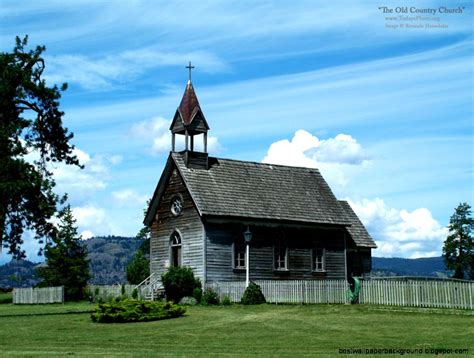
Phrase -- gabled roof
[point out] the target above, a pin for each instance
(234, 188)
(357, 230)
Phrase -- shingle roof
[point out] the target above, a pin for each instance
(255, 190)
(357, 230)
(189, 105)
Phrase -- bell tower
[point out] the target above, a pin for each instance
(189, 121)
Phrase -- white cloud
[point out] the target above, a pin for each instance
(398, 233)
(92, 220)
(76, 182)
(87, 234)
(156, 130)
(308, 150)
(337, 158)
(88, 215)
(401, 233)
(82, 183)
(129, 197)
(105, 72)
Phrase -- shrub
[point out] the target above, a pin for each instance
(136, 311)
(179, 282)
(210, 297)
(188, 301)
(226, 301)
(253, 295)
(197, 293)
(6, 297)
(135, 294)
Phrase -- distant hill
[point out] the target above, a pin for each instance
(18, 273)
(429, 267)
(108, 258)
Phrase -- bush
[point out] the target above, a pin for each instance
(136, 311)
(179, 282)
(253, 295)
(197, 293)
(135, 294)
(226, 301)
(210, 297)
(6, 297)
(188, 301)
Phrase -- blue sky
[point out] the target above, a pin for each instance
(384, 112)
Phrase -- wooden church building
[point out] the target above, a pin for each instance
(202, 206)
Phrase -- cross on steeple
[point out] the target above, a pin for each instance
(190, 67)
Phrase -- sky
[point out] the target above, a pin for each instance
(379, 99)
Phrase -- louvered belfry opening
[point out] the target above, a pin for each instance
(189, 121)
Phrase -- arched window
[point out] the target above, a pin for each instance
(175, 249)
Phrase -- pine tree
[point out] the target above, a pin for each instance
(458, 250)
(30, 122)
(66, 259)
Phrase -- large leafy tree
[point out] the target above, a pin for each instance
(30, 122)
(139, 268)
(66, 259)
(458, 250)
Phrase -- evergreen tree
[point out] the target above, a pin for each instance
(30, 122)
(66, 259)
(458, 250)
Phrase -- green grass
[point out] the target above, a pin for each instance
(266, 330)
(47, 309)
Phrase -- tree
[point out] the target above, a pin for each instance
(30, 122)
(66, 259)
(458, 250)
(139, 268)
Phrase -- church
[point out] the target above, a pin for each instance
(205, 210)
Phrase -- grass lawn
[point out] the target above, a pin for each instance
(266, 330)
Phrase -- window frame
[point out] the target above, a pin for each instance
(318, 246)
(235, 245)
(172, 208)
(278, 246)
(179, 247)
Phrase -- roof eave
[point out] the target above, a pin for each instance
(155, 200)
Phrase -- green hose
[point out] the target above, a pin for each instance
(354, 289)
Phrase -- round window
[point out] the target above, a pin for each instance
(176, 206)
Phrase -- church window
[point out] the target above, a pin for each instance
(175, 249)
(176, 205)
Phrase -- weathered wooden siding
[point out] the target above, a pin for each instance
(300, 242)
(188, 224)
(335, 254)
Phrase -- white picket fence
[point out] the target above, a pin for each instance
(416, 293)
(32, 295)
(107, 292)
(324, 291)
